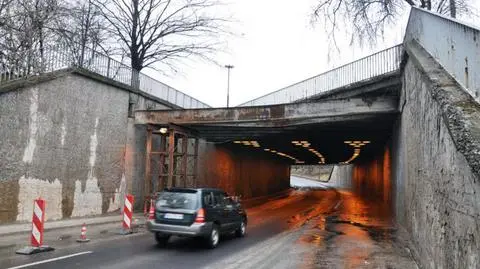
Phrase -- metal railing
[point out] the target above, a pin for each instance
(59, 57)
(377, 64)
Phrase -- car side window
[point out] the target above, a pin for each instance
(219, 199)
(208, 199)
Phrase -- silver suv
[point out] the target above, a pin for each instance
(205, 213)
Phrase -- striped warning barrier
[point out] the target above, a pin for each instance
(38, 220)
(36, 237)
(127, 214)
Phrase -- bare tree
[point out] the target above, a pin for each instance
(162, 32)
(368, 19)
(81, 26)
(26, 30)
(3, 6)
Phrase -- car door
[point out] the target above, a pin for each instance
(235, 213)
(222, 211)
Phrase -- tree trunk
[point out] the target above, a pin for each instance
(453, 9)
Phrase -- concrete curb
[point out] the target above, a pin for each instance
(19, 228)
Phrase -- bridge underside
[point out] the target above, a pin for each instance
(328, 131)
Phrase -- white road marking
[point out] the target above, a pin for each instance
(51, 260)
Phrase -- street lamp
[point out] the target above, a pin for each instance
(228, 66)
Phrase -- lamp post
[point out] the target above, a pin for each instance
(228, 66)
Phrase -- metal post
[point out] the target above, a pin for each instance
(171, 153)
(228, 66)
(148, 175)
(108, 68)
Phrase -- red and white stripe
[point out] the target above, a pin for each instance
(38, 220)
(128, 212)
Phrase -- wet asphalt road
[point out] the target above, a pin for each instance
(309, 229)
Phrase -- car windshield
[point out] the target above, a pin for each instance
(180, 200)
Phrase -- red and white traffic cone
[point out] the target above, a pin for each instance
(151, 212)
(83, 234)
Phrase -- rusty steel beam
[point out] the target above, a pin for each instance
(279, 115)
(195, 164)
(163, 145)
(184, 160)
(148, 172)
(171, 152)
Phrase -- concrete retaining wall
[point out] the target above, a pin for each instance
(436, 160)
(70, 141)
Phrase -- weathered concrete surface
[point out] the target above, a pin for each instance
(65, 140)
(275, 115)
(437, 165)
(241, 173)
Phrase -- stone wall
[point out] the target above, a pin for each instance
(436, 162)
(241, 173)
(68, 140)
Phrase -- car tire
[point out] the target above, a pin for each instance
(161, 239)
(242, 230)
(214, 237)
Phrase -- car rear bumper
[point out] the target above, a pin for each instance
(196, 229)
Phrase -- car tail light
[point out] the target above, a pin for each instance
(200, 216)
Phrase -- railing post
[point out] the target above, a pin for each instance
(108, 67)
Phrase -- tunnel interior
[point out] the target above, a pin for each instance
(336, 142)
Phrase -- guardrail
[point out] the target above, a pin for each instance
(59, 57)
(377, 64)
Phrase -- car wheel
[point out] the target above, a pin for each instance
(242, 230)
(214, 237)
(161, 239)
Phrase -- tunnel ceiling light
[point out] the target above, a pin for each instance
(356, 153)
(253, 143)
(267, 149)
(357, 143)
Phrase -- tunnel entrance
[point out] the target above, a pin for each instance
(249, 151)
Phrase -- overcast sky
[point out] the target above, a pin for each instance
(275, 46)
